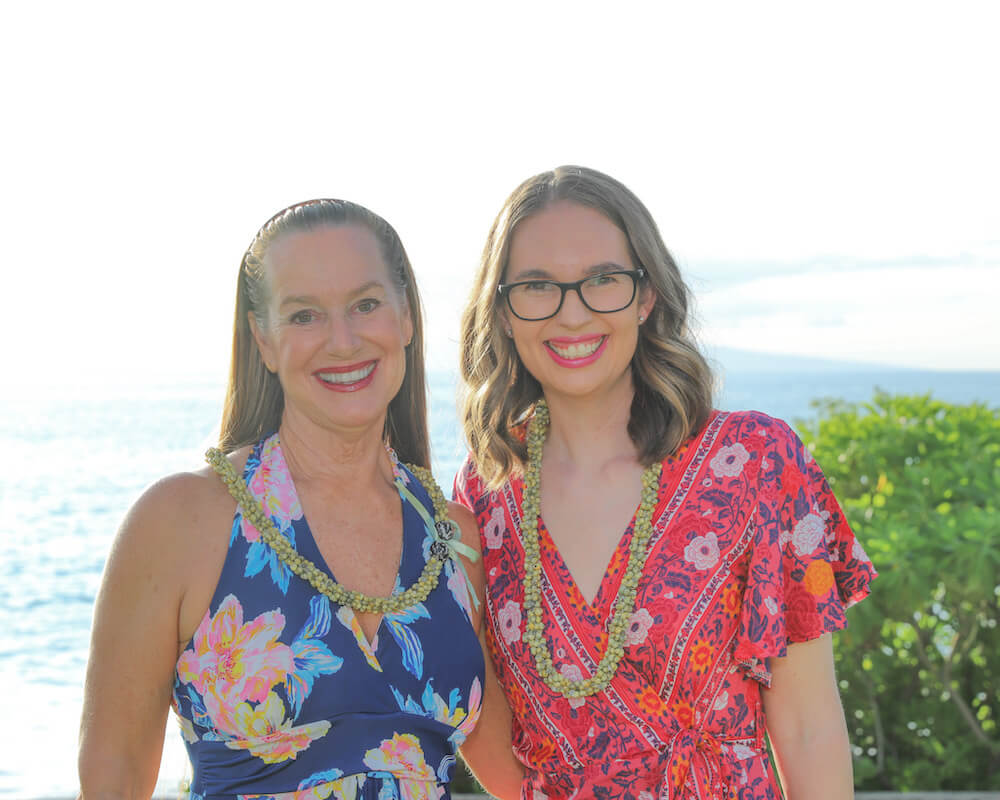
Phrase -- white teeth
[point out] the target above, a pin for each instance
(347, 377)
(577, 350)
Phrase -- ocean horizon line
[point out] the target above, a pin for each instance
(723, 361)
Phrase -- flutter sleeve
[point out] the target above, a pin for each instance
(806, 567)
(466, 489)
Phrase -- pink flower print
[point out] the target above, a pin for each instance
(266, 734)
(509, 618)
(398, 473)
(231, 662)
(403, 757)
(638, 627)
(859, 552)
(729, 461)
(493, 532)
(464, 721)
(721, 701)
(460, 590)
(249, 531)
(272, 485)
(703, 551)
(574, 673)
(809, 532)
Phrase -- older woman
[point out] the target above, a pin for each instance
(678, 599)
(312, 615)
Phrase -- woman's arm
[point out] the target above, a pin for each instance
(487, 749)
(806, 725)
(133, 646)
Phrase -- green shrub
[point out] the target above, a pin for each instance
(919, 665)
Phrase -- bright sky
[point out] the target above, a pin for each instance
(826, 175)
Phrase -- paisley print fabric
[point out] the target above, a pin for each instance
(279, 694)
(750, 552)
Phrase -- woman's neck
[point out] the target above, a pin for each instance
(339, 462)
(588, 430)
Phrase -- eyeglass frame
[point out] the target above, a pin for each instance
(636, 274)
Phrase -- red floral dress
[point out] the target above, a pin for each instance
(750, 552)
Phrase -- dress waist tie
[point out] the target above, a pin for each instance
(698, 755)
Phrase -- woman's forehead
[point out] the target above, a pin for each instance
(566, 236)
(344, 257)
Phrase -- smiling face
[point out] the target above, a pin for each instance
(337, 327)
(578, 352)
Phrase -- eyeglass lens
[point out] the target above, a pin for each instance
(603, 293)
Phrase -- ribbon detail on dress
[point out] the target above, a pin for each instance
(696, 754)
(451, 542)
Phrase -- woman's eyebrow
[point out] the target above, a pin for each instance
(298, 300)
(308, 299)
(540, 273)
(367, 287)
(528, 274)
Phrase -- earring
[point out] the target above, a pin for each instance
(510, 333)
(642, 319)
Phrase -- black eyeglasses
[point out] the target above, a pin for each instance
(603, 293)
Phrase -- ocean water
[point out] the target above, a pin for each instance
(73, 463)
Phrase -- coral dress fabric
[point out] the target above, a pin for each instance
(750, 552)
(279, 694)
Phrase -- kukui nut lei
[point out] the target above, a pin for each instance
(625, 605)
(319, 580)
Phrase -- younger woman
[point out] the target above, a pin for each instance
(677, 601)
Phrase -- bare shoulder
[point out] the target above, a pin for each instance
(184, 496)
(175, 503)
(175, 516)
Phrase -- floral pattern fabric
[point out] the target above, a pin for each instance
(750, 552)
(279, 693)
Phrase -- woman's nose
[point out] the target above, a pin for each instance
(341, 337)
(573, 308)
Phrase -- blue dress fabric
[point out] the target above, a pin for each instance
(279, 694)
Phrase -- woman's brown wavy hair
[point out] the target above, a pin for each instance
(673, 382)
(254, 399)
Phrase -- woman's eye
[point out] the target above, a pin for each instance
(368, 305)
(303, 317)
(605, 279)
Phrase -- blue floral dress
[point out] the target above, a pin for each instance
(279, 693)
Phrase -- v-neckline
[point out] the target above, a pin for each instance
(596, 605)
(599, 607)
(320, 560)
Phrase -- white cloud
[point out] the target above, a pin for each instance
(942, 317)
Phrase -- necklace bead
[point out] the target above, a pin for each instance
(625, 602)
(319, 580)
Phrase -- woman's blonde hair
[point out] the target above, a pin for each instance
(673, 383)
(254, 399)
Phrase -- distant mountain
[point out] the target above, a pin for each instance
(734, 361)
